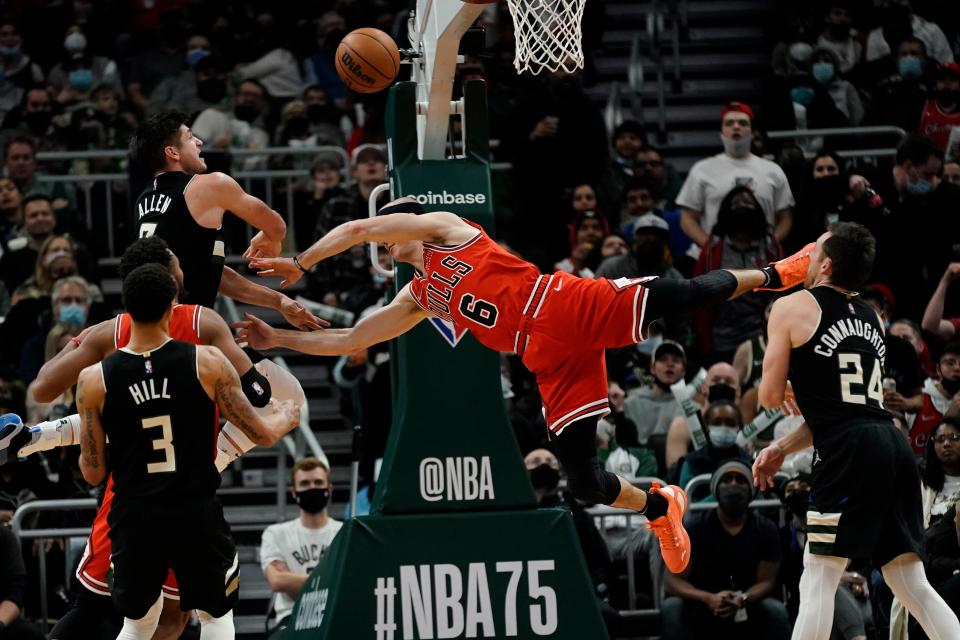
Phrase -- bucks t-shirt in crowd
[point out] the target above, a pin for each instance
(299, 547)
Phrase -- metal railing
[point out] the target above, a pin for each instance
(46, 506)
(805, 135)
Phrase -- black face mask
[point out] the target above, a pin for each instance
(38, 121)
(648, 254)
(212, 90)
(320, 112)
(947, 96)
(544, 477)
(734, 499)
(246, 113)
(950, 386)
(797, 502)
(721, 391)
(828, 190)
(313, 500)
(749, 219)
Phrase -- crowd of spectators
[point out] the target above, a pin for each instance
(80, 77)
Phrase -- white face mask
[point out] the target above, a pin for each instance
(76, 42)
(737, 148)
(722, 436)
(801, 51)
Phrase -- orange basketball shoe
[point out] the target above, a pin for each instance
(790, 271)
(674, 541)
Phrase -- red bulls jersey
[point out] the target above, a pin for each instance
(478, 286)
(184, 325)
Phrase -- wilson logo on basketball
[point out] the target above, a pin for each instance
(354, 67)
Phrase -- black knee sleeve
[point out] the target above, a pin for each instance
(586, 477)
(670, 297)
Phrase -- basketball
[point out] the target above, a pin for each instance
(367, 60)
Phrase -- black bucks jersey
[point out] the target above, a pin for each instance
(161, 423)
(162, 211)
(837, 374)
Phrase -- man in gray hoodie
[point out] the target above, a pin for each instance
(652, 408)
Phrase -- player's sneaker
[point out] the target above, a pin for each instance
(790, 271)
(13, 435)
(674, 541)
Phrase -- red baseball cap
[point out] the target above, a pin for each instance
(737, 106)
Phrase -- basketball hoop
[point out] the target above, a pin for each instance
(547, 35)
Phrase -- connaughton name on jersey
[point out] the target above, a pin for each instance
(845, 328)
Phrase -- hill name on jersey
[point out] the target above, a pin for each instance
(146, 390)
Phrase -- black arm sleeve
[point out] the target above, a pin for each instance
(671, 297)
(256, 387)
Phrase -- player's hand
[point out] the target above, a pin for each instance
(262, 246)
(298, 315)
(278, 267)
(617, 397)
(766, 466)
(255, 332)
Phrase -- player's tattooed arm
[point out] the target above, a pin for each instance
(223, 385)
(60, 373)
(93, 439)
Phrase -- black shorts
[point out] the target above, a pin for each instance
(865, 494)
(191, 537)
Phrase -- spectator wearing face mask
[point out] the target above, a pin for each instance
(648, 254)
(897, 86)
(839, 37)
(728, 590)
(899, 18)
(852, 606)
(825, 69)
(941, 113)
(722, 382)
(80, 71)
(324, 116)
(710, 180)
(290, 550)
(792, 56)
(55, 260)
(722, 421)
(17, 71)
(236, 128)
(740, 239)
(940, 398)
(201, 85)
(545, 475)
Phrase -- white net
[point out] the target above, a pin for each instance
(547, 34)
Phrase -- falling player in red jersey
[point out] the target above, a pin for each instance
(558, 324)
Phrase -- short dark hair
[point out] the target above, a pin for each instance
(148, 291)
(255, 82)
(953, 348)
(852, 249)
(27, 140)
(152, 250)
(917, 149)
(155, 134)
(34, 197)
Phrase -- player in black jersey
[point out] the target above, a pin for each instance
(865, 496)
(185, 207)
(157, 401)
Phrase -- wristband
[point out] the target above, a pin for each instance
(296, 261)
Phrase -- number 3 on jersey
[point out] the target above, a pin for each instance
(851, 374)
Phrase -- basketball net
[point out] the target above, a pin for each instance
(547, 35)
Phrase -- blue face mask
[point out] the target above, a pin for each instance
(647, 347)
(722, 437)
(72, 314)
(802, 95)
(196, 55)
(81, 79)
(919, 188)
(9, 52)
(822, 72)
(910, 67)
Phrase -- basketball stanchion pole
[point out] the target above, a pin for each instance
(355, 469)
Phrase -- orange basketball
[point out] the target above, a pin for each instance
(367, 60)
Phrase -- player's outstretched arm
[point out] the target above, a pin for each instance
(233, 285)
(222, 384)
(93, 440)
(220, 191)
(61, 373)
(776, 359)
(438, 227)
(386, 323)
